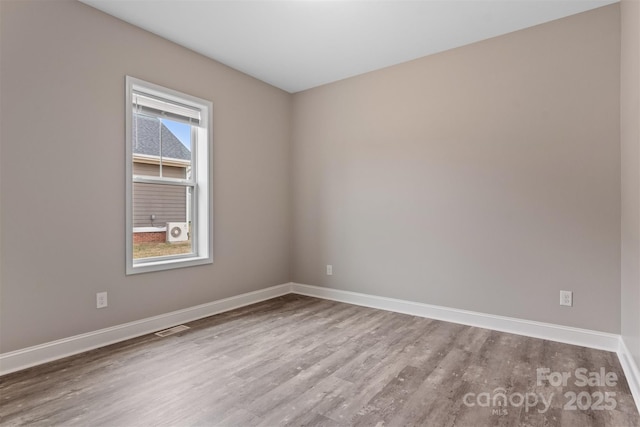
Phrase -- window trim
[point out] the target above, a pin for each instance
(203, 163)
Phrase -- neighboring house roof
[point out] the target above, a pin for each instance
(146, 139)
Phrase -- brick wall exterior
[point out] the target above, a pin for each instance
(151, 237)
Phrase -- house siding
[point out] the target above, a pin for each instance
(167, 203)
(148, 169)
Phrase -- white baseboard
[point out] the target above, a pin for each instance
(631, 371)
(548, 331)
(47, 352)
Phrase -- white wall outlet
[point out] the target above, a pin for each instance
(101, 300)
(329, 270)
(566, 298)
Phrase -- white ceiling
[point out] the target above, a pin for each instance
(299, 44)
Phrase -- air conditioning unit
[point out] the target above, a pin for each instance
(177, 232)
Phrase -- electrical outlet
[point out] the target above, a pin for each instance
(566, 298)
(329, 270)
(101, 300)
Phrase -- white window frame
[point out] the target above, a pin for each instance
(202, 218)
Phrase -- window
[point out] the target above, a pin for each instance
(169, 205)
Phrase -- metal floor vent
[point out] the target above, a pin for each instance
(172, 331)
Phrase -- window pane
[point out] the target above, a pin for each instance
(182, 132)
(161, 220)
(161, 147)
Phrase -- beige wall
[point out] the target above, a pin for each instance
(484, 178)
(63, 68)
(630, 147)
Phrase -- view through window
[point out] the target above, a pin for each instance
(169, 151)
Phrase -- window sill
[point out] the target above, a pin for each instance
(168, 264)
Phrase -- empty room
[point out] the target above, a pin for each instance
(320, 213)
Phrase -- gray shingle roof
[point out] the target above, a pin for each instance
(146, 139)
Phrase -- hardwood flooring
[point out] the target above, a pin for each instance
(302, 361)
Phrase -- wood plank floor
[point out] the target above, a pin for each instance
(303, 361)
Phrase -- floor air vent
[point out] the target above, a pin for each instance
(172, 331)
